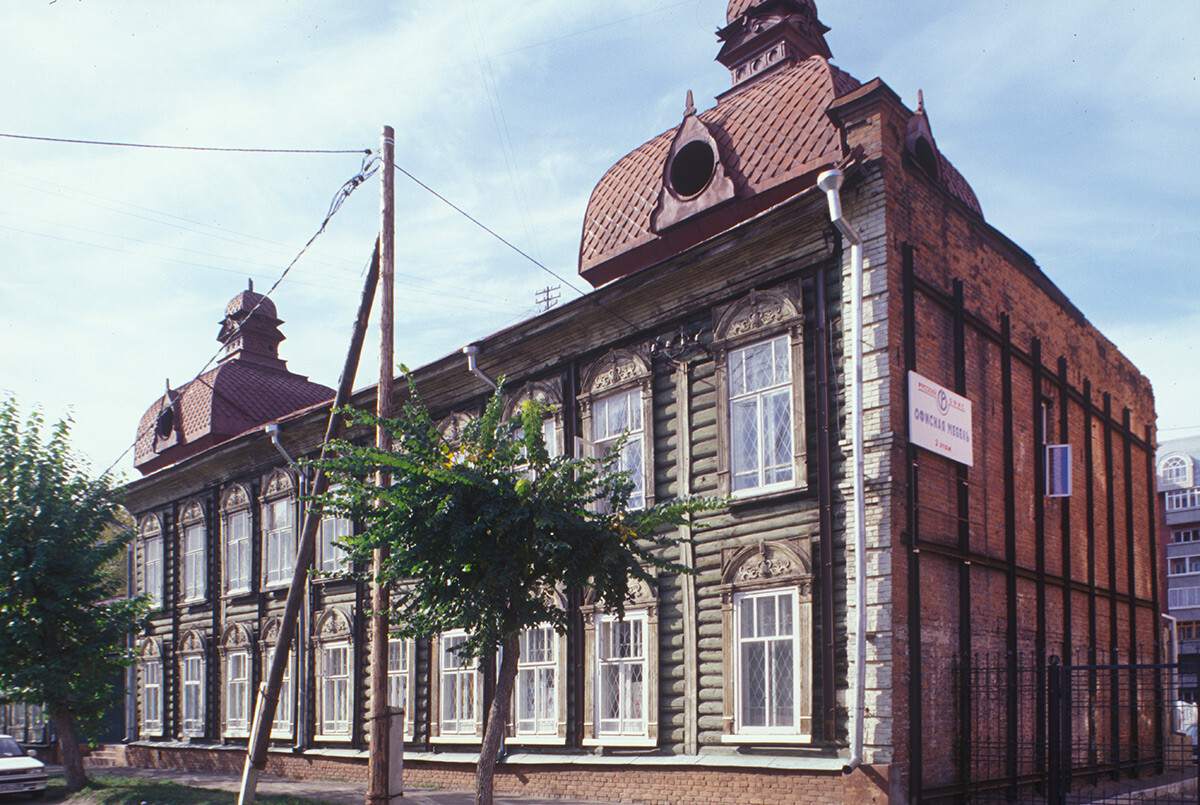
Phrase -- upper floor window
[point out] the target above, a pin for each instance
(331, 556)
(195, 554)
(547, 393)
(235, 525)
(1186, 535)
(1175, 471)
(152, 560)
(617, 401)
(758, 346)
(279, 532)
(1183, 564)
(1183, 499)
(1183, 597)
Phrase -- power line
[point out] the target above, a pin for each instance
(510, 245)
(366, 151)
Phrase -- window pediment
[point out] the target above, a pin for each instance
(278, 484)
(193, 512)
(151, 649)
(192, 643)
(235, 497)
(772, 561)
(236, 636)
(149, 526)
(758, 314)
(543, 392)
(333, 625)
(620, 367)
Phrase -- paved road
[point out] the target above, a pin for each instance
(332, 792)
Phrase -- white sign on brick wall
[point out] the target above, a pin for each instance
(939, 420)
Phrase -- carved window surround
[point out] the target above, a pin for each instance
(620, 371)
(193, 553)
(150, 687)
(236, 539)
(237, 646)
(559, 736)
(332, 644)
(760, 316)
(278, 526)
(151, 561)
(193, 685)
(549, 394)
(283, 726)
(771, 566)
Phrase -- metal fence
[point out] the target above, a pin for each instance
(1071, 734)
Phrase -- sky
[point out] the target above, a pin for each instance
(1077, 123)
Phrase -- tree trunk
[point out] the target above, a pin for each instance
(497, 721)
(68, 749)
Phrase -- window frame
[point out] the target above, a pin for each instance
(470, 671)
(760, 317)
(278, 495)
(552, 730)
(235, 507)
(333, 527)
(642, 607)
(1175, 471)
(192, 658)
(407, 649)
(751, 598)
(619, 373)
(193, 564)
(333, 635)
(770, 568)
(283, 726)
(549, 394)
(152, 565)
(150, 688)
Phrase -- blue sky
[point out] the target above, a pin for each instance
(1076, 123)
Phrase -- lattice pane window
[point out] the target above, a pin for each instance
(335, 689)
(152, 697)
(334, 529)
(612, 417)
(193, 695)
(193, 562)
(459, 683)
(621, 675)
(279, 540)
(237, 693)
(768, 675)
(760, 403)
(153, 569)
(536, 711)
(237, 551)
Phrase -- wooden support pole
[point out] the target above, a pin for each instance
(377, 765)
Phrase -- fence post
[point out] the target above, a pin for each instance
(1055, 793)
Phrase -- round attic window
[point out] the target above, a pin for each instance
(692, 168)
(165, 424)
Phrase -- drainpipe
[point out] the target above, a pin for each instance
(472, 353)
(831, 182)
(300, 646)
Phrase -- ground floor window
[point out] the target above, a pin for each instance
(334, 690)
(285, 709)
(237, 693)
(152, 697)
(399, 678)
(192, 676)
(768, 673)
(536, 697)
(459, 689)
(621, 678)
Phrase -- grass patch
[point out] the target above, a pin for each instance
(132, 791)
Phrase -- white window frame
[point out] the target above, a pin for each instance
(238, 571)
(1185, 535)
(335, 694)
(279, 541)
(1183, 598)
(770, 317)
(191, 675)
(152, 697)
(1178, 499)
(332, 557)
(605, 435)
(1175, 471)
(456, 677)
(194, 562)
(747, 607)
(237, 693)
(632, 717)
(152, 569)
(284, 723)
(399, 678)
(538, 664)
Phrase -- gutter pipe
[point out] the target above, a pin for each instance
(831, 183)
(472, 353)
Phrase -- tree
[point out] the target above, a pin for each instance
(480, 533)
(62, 632)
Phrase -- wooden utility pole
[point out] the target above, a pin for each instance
(378, 763)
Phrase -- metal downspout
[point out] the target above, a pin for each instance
(831, 183)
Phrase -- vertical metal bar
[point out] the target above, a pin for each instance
(1064, 437)
(1111, 530)
(1010, 555)
(1089, 471)
(964, 547)
(1039, 537)
(1160, 698)
(916, 725)
(825, 504)
(1135, 693)
(1055, 794)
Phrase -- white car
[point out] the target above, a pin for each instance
(20, 772)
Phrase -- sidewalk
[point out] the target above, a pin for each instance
(335, 792)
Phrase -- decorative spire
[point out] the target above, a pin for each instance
(691, 107)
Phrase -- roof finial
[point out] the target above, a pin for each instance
(691, 107)
(251, 281)
(920, 102)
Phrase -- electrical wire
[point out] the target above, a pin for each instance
(156, 146)
(369, 166)
(510, 245)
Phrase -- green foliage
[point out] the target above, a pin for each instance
(61, 638)
(480, 534)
